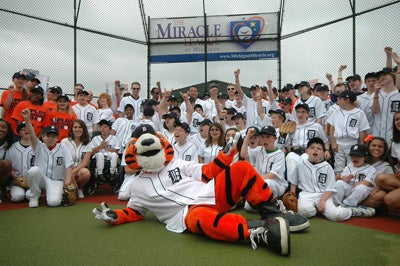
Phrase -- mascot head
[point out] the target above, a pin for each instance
(147, 150)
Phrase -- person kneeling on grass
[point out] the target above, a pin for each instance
(53, 166)
(186, 195)
(316, 179)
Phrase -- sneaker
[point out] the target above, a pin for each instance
(276, 208)
(361, 211)
(274, 232)
(33, 203)
(80, 194)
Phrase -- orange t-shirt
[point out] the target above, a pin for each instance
(16, 99)
(62, 121)
(50, 105)
(38, 114)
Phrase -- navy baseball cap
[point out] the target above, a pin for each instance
(238, 115)
(205, 122)
(269, 130)
(348, 94)
(50, 129)
(183, 125)
(32, 77)
(105, 122)
(19, 75)
(142, 129)
(354, 77)
(37, 89)
(279, 112)
(358, 150)
(302, 105)
(63, 96)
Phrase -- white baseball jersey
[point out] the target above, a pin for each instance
(197, 140)
(112, 143)
(52, 163)
(170, 136)
(186, 152)
(317, 108)
(123, 130)
(207, 107)
(332, 110)
(365, 102)
(383, 167)
(210, 152)
(168, 194)
(252, 118)
(196, 118)
(88, 114)
(77, 152)
(383, 122)
(269, 162)
(21, 157)
(134, 102)
(366, 172)
(306, 132)
(327, 104)
(106, 114)
(314, 178)
(348, 124)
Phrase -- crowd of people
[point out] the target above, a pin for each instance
(336, 146)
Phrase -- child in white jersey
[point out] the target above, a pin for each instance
(183, 149)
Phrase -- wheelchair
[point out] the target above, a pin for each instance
(115, 180)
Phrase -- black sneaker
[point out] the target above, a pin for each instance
(274, 232)
(276, 208)
(101, 178)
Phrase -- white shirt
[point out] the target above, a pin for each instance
(134, 102)
(383, 122)
(210, 152)
(366, 172)
(197, 140)
(168, 194)
(22, 158)
(186, 152)
(317, 108)
(106, 114)
(123, 128)
(306, 132)
(252, 118)
(271, 162)
(314, 178)
(77, 152)
(112, 142)
(348, 124)
(88, 114)
(53, 163)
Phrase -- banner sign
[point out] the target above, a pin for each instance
(239, 37)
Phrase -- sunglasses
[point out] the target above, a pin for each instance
(230, 89)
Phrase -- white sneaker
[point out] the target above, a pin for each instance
(361, 211)
(80, 194)
(33, 203)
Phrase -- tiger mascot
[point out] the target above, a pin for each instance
(185, 195)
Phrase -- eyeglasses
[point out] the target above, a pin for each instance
(230, 89)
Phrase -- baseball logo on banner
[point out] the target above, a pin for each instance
(246, 32)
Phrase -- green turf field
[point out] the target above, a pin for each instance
(71, 236)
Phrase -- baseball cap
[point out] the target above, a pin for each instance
(50, 129)
(348, 94)
(83, 92)
(63, 96)
(286, 100)
(385, 71)
(322, 87)
(269, 130)
(55, 89)
(302, 105)
(32, 77)
(238, 115)
(170, 115)
(222, 95)
(206, 94)
(254, 86)
(105, 122)
(354, 77)
(279, 112)
(183, 125)
(20, 126)
(142, 129)
(19, 75)
(205, 122)
(302, 84)
(172, 98)
(287, 87)
(358, 150)
(151, 102)
(148, 111)
(230, 111)
(129, 106)
(37, 89)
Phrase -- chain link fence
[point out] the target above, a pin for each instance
(317, 37)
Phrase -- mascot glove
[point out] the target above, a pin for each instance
(106, 214)
(231, 144)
